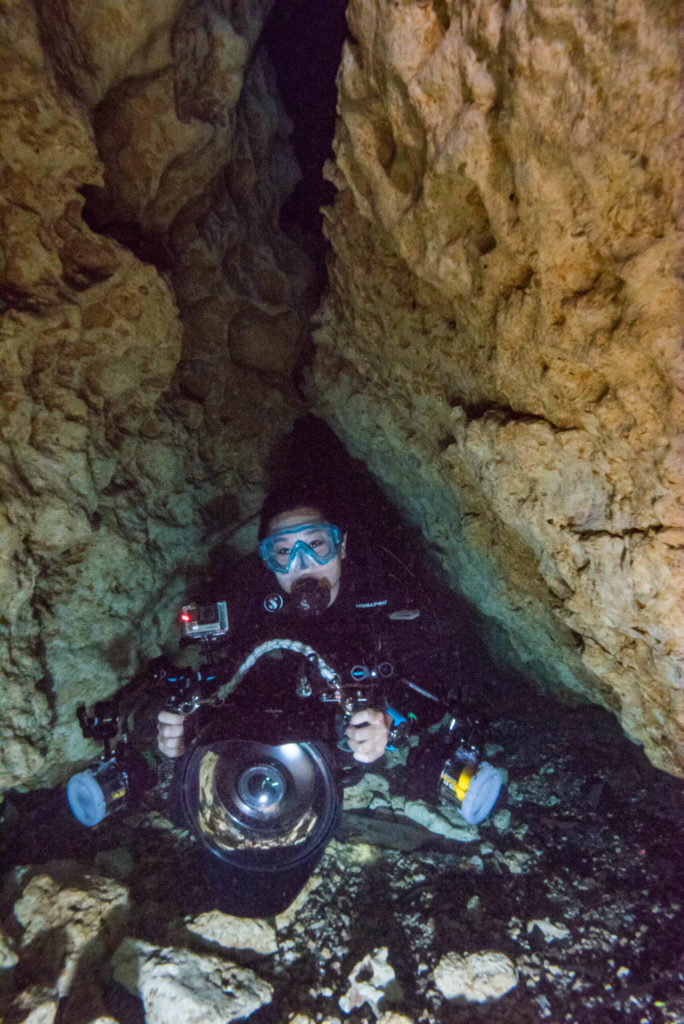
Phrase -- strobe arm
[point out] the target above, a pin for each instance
(102, 725)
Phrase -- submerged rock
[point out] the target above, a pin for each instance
(549, 931)
(179, 987)
(501, 339)
(475, 977)
(234, 932)
(8, 952)
(71, 920)
(368, 982)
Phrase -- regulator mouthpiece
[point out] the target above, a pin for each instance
(310, 595)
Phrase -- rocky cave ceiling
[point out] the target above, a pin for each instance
(497, 337)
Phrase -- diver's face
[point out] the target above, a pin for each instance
(306, 567)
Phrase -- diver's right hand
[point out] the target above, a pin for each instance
(171, 733)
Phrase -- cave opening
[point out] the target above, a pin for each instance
(304, 41)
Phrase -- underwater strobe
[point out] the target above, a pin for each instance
(106, 785)
(464, 779)
(120, 776)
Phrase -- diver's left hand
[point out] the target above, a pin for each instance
(367, 732)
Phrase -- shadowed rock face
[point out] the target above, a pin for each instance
(501, 338)
(138, 401)
(498, 343)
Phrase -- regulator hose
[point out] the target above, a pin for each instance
(328, 674)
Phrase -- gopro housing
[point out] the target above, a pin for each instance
(204, 621)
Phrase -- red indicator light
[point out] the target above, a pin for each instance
(185, 617)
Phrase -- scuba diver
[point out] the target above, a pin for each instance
(319, 663)
(313, 590)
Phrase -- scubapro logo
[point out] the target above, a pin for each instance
(273, 603)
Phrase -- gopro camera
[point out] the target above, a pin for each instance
(204, 621)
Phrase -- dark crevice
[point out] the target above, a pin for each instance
(304, 42)
(504, 414)
(578, 640)
(147, 246)
(640, 531)
(445, 443)
(522, 284)
(441, 9)
(72, 68)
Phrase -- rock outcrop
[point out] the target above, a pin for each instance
(476, 977)
(70, 920)
(501, 341)
(152, 312)
(177, 985)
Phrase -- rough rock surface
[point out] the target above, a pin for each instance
(8, 954)
(176, 985)
(475, 977)
(87, 912)
(394, 811)
(70, 921)
(501, 343)
(368, 981)
(234, 932)
(151, 311)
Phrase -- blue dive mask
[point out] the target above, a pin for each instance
(300, 547)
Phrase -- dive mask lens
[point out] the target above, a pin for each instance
(319, 542)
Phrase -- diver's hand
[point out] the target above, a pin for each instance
(171, 733)
(367, 732)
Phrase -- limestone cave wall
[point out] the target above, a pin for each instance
(501, 338)
(499, 341)
(152, 312)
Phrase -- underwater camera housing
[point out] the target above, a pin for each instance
(263, 810)
(109, 784)
(262, 793)
(118, 778)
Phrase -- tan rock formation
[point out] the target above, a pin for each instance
(70, 919)
(176, 985)
(501, 342)
(121, 466)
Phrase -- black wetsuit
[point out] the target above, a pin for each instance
(375, 628)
